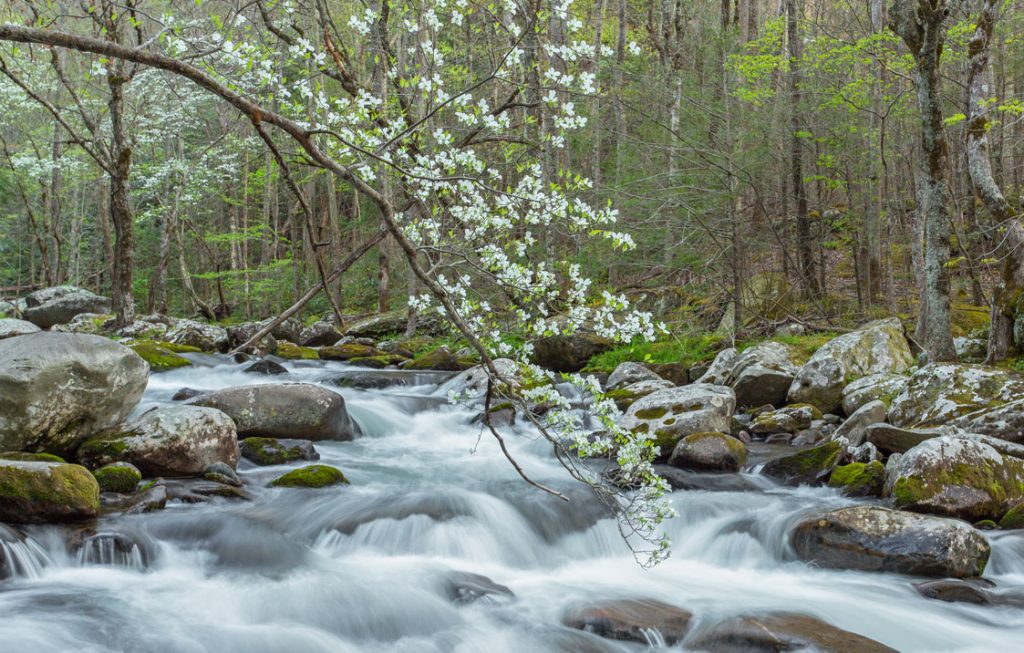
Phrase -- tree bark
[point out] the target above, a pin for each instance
(805, 249)
(921, 25)
(120, 201)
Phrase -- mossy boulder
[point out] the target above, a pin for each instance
(31, 457)
(311, 476)
(10, 327)
(36, 492)
(471, 385)
(319, 334)
(939, 393)
(859, 479)
(569, 353)
(791, 419)
(627, 396)
(167, 441)
(1014, 517)
(291, 351)
(872, 538)
(202, 336)
(671, 414)
(1005, 422)
(284, 410)
(763, 373)
(721, 367)
(876, 348)
(874, 387)
(383, 324)
(272, 451)
(118, 477)
(711, 452)
(161, 356)
(57, 389)
(628, 373)
(347, 351)
(441, 358)
(808, 467)
(377, 362)
(956, 476)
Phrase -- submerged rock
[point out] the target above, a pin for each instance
(777, 632)
(60, 305)
(870, 538)
(631, 620)
(57, 389)
(311, 476)
(956, 476)
(464, 588)
(284, 410)
(713, 452)
(34, 492)
(271, 451)
(167, 441)
(876, 348)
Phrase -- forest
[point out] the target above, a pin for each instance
(511, 325)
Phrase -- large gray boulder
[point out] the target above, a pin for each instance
(671, 414)
(57, 389)
(471, 385)
(10, 327)
(33, 492)
(1005, 422)
(710, 452)
(873, 387)
(167, 441)
(876, 348)
(569, 353)
(871, 538)
(60, 304)
(240, 334)
(956, 476)
(720, 369)
(207, 337)
(942, 392)
(807, 467)
(284, 410)
(763, 374)
(629, 373)
(319, 334)
(855, 428)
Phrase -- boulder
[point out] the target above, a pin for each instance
(941, 392)
(956, 590)
(60, 304)
(627, 374)
(240, 334)
(291, 351)
(891, 439)
(859, 479)
(808, 467)
(35, 492)
(871, 538)
(150, 327)
(720, 369)
(319, 334)
(631, 620)
(311, 476)
(712, 452)
(873, 387)
(763, 374)
(568, 353)
(625, 397)
(92, 323)
(271, 451)
(464, 588)
(471, 385)
(777, 632)
(1014, 517)
(956, 476)
(284, 410)
(266, 367)
(347, 351)
(162, 356)
(202, 336)
(387, 324)
(167, 441)
(876, 348)
(855, 428)
(671, 414)
(118, 477)
(10, 327)
(57, 389)
(1005, 422)
(791, 419)
(442, 358)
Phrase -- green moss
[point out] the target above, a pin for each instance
(348, 351)
(986, 525)
(651, 413)
(311, 476)
(622, 397)
(685, 350)
(117, 478)
(1014, 518)
(908, 490)
(859, 479)
(912, 490)
(31, 457)
(269, 451)
(377, 362)
(60, 491)
(808, 466)
(161, 356)
(497, 408)
(291, 351)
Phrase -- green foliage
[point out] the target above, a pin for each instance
(685, 350)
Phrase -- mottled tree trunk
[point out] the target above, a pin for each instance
(120, 201)
(805, 250)
(1006, 299)
(921, 25)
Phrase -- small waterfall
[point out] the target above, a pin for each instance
(22, 558)
(112, 550)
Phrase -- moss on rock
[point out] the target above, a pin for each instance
(162, 356)
(1014, 517)
(311, 476)
(291, 351)
(33, 492)
(31, 457)
(807, 467)
(117, 477)
(269, 451)
(859, 479)
(348, 351)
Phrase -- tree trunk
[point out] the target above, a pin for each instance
(805, 250)
(921, 25)
(120, 201)
(1006, 299)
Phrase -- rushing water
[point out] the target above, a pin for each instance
(393, 562)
